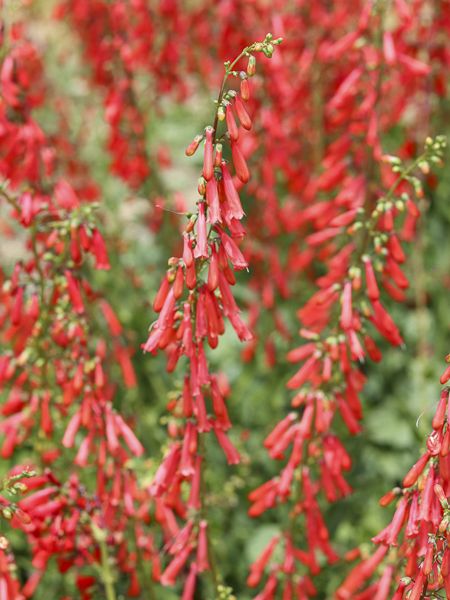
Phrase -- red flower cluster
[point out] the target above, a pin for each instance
(344, 77)
(193, 300)
(414, 549)
(333, 212)
(121, 43)
(337, 320)
(403, 53)
(53, 365)
(359, 227)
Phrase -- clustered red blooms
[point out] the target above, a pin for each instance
(58, 398)
(325, 194)
(319, 69)
(193, 300)
(413, 554)
(356, 72)
(113, 63)
(368, 207)
(122, 41)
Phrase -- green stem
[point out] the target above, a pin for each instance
(228, 70)
(105, 572)
(404, 174)
(11, 201)
(420, 289)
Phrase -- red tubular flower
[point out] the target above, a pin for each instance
(192, 148)
(361, 574)
(16, 312)
(304, 373)
(189, 586)
(74, 293)
(98, 248)
(445, 376)
(239, 163)
(416, 470)
(230, 451)
(212, 198)
(245, 88)
(201, 249)
(170, 575)
(242, 113)
(234, 207)
(232, 251)
(372, 287)
(257, 568)
(202, 562)
(231, 124)
(346, 311)
(208, 154)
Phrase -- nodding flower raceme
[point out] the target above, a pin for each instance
(367, 209)
(339, 321)
(413, 555)
(57, 407)
(193, 302)
(117, 42)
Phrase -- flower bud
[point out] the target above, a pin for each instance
(389, 497)
(441, 495)
(416, 470)
(242, 114)
(7, 513)
(231, 124)
(178, 283)
(245, 89)
(20, 487)
(443, 525)
(251, 66)
(240, 164)
(268, 50)
(218, 158)
(192, 148)
(201, 186)
(208, 155)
